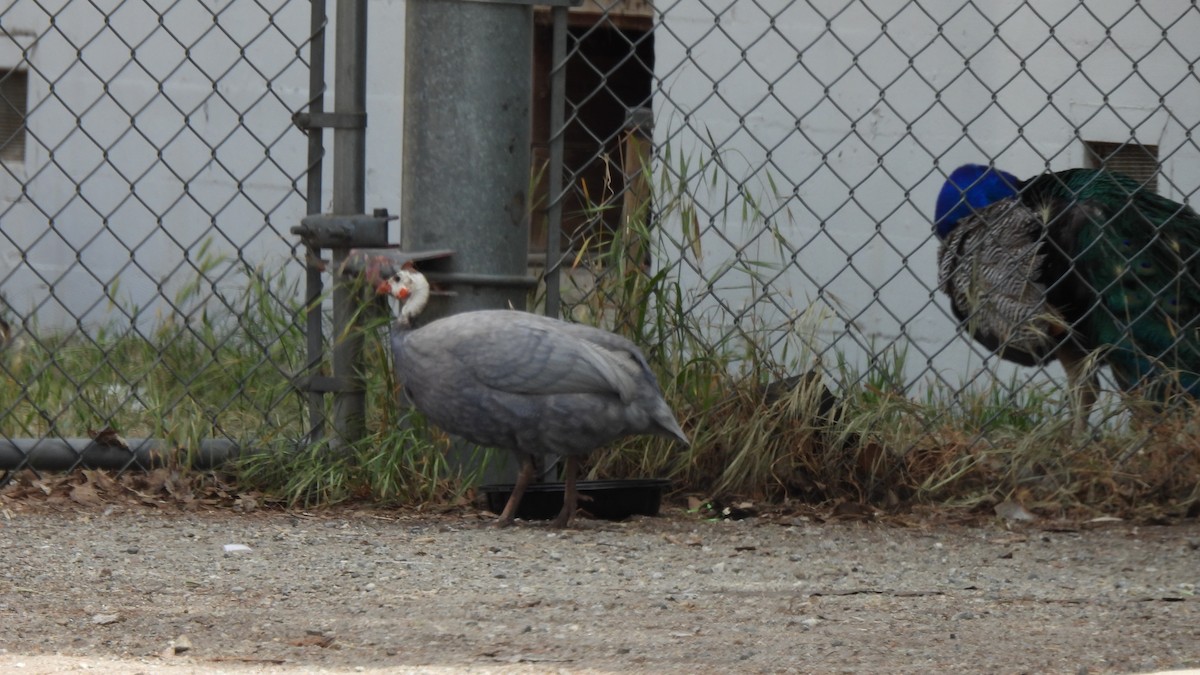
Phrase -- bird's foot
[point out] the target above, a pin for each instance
(501, 523)
(562, 520)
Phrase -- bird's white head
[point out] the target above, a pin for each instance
(410, 288)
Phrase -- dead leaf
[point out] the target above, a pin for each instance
(101, 480)
(108, 436)
(853, 511)
(84, 494)
(156, 481)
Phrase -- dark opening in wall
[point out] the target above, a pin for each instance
(609, 79)
(14, 94)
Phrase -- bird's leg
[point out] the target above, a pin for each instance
(570, 497)
(524, 476)
(1082, 383)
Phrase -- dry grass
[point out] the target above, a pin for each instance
(830, 433)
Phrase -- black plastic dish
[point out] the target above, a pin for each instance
(610, 499)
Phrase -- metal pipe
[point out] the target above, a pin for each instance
(314, 285)
(349, 197)
(468, 86)
(64, 454)
(558, 88)
(467, 91)
(467, 279)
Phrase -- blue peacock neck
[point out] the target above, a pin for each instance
(968, 189)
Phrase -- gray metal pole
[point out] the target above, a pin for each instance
(314, 284)
(468, 84)
(467, 91)
(349, 198)
(558, 88)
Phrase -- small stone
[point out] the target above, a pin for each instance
(182, 644)
(105, 619)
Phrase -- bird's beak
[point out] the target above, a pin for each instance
(385, 288)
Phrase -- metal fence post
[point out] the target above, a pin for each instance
(554, 209)
(467, 92)
(468, 84)
(314, 283)
(349, 197)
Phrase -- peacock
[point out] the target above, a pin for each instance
(1074, 264)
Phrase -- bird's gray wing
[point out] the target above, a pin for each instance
(528, 354)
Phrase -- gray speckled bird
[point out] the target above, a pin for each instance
(524, 383)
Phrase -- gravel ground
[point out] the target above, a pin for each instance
(134, 589)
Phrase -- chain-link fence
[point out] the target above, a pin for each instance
(150, 174)
(809, 142)
(775, 164)
(783, 159)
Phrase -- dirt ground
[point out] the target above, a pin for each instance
(118, 588)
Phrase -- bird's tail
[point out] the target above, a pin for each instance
(1139, 259)
(1147, 319)
(667, 424)
(1157, 378)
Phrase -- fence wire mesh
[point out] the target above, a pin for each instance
(150, 174)
(764, 171)
(781, 161)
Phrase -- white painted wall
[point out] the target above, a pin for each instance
(857, 115)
